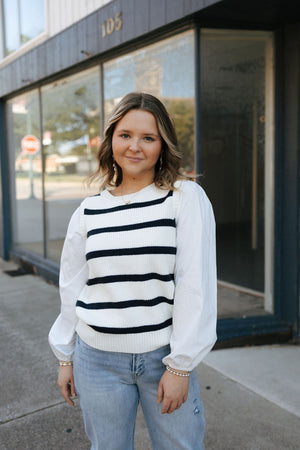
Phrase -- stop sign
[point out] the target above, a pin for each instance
(30, 144)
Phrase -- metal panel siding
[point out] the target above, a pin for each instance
(64, 50)
(7, 78)
(17, 71)
(92, 35)
(27, 71)
(83, 8)
(41, 56)
(50, 60)
(68, 13)
(174, 10)
(74, 7)
(58, 61)
(192, 5)
(141, 17)
(63, 13)
(33, 67)
(157, 13)
(54, 17)
(82, 43)
(128, 28)
(75, 44)
(206, 3)
(24, 69)
(113, 39)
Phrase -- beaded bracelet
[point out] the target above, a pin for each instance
(180, 374)
(66, 363)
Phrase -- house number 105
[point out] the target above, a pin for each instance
(112, 24)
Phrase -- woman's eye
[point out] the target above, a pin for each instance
(149, 139)
(125, 136)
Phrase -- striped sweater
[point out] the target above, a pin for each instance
(127, 302)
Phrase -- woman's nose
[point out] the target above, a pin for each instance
(134, 145)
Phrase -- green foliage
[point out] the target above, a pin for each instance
(70, 112)
(182, 113)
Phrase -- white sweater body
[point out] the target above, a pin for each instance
(127, 303)
(179, 301)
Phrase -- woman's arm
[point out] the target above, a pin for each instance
(72, 278)
(195, 302)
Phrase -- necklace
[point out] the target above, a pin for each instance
(131, 198)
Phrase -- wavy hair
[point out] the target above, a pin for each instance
(167, 169)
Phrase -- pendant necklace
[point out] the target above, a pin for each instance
(127, 202)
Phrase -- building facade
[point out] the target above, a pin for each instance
(228, 73)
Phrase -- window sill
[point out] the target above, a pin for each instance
(24, 48)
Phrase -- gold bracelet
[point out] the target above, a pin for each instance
(66, 363)
(174, 372)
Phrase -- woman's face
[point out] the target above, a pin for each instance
(136, 145)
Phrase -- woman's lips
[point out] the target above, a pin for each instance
(133, 159)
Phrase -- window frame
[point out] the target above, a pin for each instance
(270, 144)
(23, 47)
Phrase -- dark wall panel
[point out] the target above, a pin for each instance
(1, 214)
(290, 264)
(5, 225)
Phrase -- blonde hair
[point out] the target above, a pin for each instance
(167, 169)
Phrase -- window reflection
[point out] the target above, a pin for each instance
(71, 137)
(158, 70)
(32, 21)
(233, 74)
(26, 165)
(23, 20)
(12, 40)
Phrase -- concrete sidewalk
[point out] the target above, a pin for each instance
(251, 395)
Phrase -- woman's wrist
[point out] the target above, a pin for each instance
(179, 373)
(65, 363)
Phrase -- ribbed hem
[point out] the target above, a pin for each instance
(128, 343)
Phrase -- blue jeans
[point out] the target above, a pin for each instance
(110, 385)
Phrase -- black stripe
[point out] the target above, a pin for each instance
(124, 304)
(130, 330)
(134, 277)
(136, 226)
(132, 251)
(90, 212)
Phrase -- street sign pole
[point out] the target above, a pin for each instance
(31, 196)
(31, 145)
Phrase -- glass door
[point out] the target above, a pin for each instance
(237, 164)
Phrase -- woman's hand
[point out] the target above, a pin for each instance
(173, 390)
(66, 384)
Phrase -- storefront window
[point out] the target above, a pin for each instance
(23, 20)
(26, 171)
(159, 70)
(235, 97)
(71, 136)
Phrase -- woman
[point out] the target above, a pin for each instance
(138, 288)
